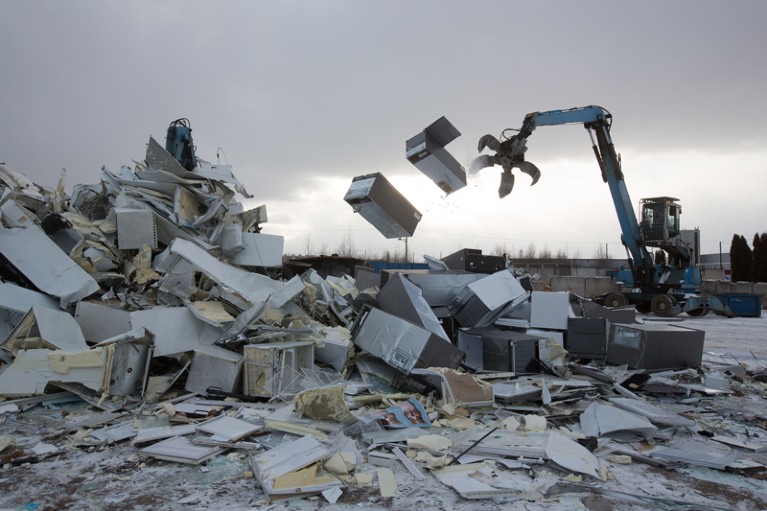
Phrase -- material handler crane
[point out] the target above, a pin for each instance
(666, 288)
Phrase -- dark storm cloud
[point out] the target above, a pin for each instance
(295, 91)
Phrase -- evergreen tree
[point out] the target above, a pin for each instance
(760, 257)
(741, 259)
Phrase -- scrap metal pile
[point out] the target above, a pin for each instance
(147, 296)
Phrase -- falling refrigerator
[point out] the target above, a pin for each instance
(378, 202)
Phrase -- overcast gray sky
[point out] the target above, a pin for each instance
(304, 95)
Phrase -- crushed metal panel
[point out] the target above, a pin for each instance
(15, 302)
(253, 217)
(186, 206)
(99, 321)
(336, 348)
(474, 481)
(549, 309)
(135, 228)
(740, 444)
(483, 301)
(20, 299)
(158, 158)
(69, 240)
(383, 377)
(505, 443)
(179, 276)
(251, 286)
(230, 239)
(228, 429)
(404, 299)
(698, 451)
(213, 366)
(260, 250)
(551, 348)
(605, 420)
(118, 367)
(181, 450)
(16, 215)
(655, 414)
(264, 362)
(129, 355)
(627, 314)
(458, 387)
(438, 287)
(571, 455)
(223, 173)
(272, 466)
(655, 346)
(116, 433)
(402, 344)
(152, 434)
(427, 152)
(44, 327)
(366, 278)
(378, 202)
(46, 265)
(212, 312)
(175, 329)
(32, 370)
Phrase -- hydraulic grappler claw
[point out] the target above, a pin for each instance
(508, 154)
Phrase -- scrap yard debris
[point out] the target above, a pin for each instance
(152, 348)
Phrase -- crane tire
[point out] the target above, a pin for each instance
(613, 300)
(663, 305)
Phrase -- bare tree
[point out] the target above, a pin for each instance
(500, 249)
(346, 247)
(308, 249)
(601, 256)
(531, 251)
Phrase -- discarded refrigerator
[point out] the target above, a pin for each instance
(654, 346)
(491, 349)
(374, 197)
(402, 344)
(427, 152)
(472, 259)
(587, 338)
(484, 301)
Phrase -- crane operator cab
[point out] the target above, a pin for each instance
(660, 219)
(660, 227)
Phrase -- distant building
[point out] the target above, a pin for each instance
(713, 266)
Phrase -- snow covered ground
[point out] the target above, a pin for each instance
(733, 339)
(114, 478)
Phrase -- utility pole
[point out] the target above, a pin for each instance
(721, 264)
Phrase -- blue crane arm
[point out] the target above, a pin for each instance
(597, 121)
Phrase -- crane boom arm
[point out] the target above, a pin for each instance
(597, 121)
